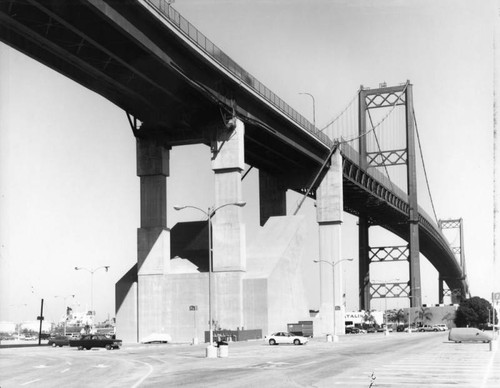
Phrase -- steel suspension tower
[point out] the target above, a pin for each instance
(384, 97)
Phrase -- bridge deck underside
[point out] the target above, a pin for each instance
(126, 54)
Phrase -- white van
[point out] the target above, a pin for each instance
(462, 334)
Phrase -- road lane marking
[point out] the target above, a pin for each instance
(40, 366)
(30, 382)
(65, 370)
(489, 368)
(141, 380)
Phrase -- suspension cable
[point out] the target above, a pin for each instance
(342, 112)
(423, 164)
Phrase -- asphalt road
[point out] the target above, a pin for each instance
(398, 360)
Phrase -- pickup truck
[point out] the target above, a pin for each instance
(89, 341)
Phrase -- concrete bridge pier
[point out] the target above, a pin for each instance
(329, 213)
(364, 264)
(272, 195)
(229, 245)
(153, 237)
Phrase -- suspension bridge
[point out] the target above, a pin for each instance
(177, 87)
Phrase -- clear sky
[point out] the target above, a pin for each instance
(69, 195)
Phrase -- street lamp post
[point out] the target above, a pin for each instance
(314, 107)
(91, 271)
(210, 213)
(335, 337)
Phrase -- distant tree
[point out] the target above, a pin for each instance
(472, 312)
(368, 318)
(400, 316)
(448, 318)
(396, 316)
(424, 314)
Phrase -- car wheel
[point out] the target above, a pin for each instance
(272, 342)
(54, 345)
(88, 348)
(296, 342)
(80, 348)
(108, 347)
(60, 346)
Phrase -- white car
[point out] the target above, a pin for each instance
(282, 337)
(157, 338)
(441, 327)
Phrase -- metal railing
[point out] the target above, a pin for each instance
(215, 53)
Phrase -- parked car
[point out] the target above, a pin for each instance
(283, 337)
(371, 330)
(157, 338)
(352, 330)
(428, 328)
(58, 340)
(89, 341)
(441, 327)
(465, 334)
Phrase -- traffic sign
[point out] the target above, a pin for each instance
(193, 308)
(496, 296)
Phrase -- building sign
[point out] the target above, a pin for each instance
(193, 308)
(354, 315)
(496, 296)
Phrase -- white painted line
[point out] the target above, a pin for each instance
(30, 382)
(488, 369)
(65, 370)
(141, 380)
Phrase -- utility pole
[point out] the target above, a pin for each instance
(40, 318)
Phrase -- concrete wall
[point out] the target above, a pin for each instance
(182, 291)
(126, 306)
(274, 291)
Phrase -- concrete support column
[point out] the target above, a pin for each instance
(329, 213)
(272, 195)
(440, 290)
(153, 237)
(364, 264)
(229, 245)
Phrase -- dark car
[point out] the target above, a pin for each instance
(352, 330)
(58, 340)
(89, 341)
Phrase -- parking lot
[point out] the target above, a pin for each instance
(399, 359)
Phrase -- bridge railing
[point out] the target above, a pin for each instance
(215, 53)
(353, 155)
(207, 46)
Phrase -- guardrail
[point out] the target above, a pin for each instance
(215, 53)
